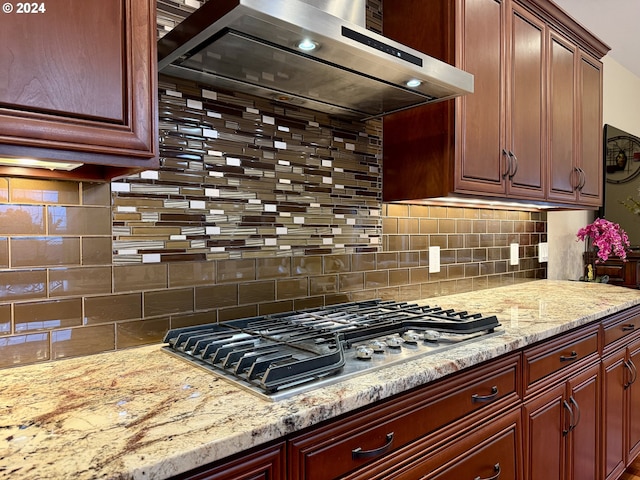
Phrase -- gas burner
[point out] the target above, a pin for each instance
(280, 355)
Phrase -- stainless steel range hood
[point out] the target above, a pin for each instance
(253, 46)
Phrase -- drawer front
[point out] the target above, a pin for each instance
(492, 450)
(544, 360)
(494, 455)
(616, 329)
(348, 444)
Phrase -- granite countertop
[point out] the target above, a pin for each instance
(143, 414)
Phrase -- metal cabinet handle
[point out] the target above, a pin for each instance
(581, 179)
(569, 358)
(634, 373)
(584, 179)
(571, 417)
(629, 327)
(577, 421)
(515, 163)
(485, 398)
(628, 367)
(509, 163)
(358, 453)
(496, 468)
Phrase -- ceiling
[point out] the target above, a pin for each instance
(615, 22)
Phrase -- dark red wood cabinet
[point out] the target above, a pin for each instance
(532, 129)
(79, 84)
(564, 408)
(625, 273)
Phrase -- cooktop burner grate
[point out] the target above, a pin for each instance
(284, 354)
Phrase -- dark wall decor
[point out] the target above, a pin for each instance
(621, 154)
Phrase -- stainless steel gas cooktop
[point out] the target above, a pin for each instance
(277, 356)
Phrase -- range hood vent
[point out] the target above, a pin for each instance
(311, 53)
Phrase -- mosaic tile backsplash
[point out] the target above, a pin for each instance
(257, 208)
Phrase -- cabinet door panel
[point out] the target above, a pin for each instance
(584, 439)
(544, 441)
(527, 109)
(613, 407)
(77, 89)
(480, 161)
(562, 85)
(633, 445)
(591, 126)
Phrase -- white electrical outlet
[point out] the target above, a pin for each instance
(514, 259)
(543, 252)
(434, 259)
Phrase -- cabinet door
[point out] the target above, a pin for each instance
(74, 86)
(590, 74)
(545, 445)
(633, 408)
(564, 177)
(584, 437)
(613, 408)
(526, 109)
(480, 162)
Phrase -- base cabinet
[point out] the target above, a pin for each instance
(562, 429)
(267, 463)
(490, 451)
(567, 408)
(621, 396)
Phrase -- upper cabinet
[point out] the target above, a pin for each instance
(499, 142)
(79, 84)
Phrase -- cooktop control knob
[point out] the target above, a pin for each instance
(410, 337)
(378, 346)
(363, 352)
(394, 341)
(431, 335)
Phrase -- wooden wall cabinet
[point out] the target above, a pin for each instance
(498, 141)
(575, 116)
(79, 90)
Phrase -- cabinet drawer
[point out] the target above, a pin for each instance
(617, 327)
(347, 444)
(490, 452)
(570, 349)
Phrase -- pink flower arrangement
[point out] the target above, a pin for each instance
(607, 237)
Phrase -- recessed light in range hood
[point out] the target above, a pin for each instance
(292, 51)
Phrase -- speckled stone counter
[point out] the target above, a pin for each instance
(144, 414)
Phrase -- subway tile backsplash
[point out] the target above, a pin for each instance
(258, 208)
